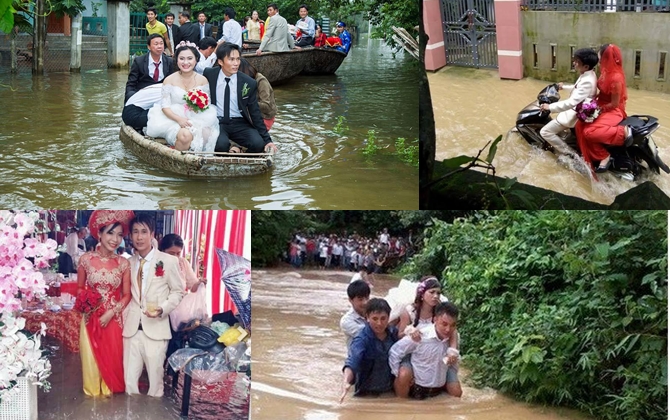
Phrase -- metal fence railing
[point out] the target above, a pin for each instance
(598, 5)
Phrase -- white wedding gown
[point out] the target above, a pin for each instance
(205, 124)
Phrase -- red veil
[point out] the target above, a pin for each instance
(612, 81)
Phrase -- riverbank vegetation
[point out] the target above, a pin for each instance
(561, 308)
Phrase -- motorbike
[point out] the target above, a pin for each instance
(628, 162)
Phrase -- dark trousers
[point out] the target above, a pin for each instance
(239, 131)
(305, 41)
(135, 116)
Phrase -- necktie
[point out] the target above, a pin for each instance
(139, 277)
(202, 31)
(226, 104)
(156, 73)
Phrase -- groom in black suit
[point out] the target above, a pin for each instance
(147, 69)
(236, 101)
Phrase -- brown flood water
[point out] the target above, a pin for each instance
(474, 106)
(299, 350)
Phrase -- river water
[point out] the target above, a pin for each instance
(299, 350)
(60, 148)
(474, 106)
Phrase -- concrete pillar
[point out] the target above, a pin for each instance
(177, 7)
(75, 45)
(508, 33)
(39, 38)
(435, 56)
(118, 33)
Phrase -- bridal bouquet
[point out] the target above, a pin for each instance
(587, 110)
(89, 302)
(196, 100)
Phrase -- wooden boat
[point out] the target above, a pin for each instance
(279, 67)
(203, 165)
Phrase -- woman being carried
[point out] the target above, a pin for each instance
(104, 272)
(184, 124)
(605, 130)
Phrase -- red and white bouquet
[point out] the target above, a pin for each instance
(587, 110)
(196, 100)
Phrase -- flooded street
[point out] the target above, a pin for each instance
(299, 351)
(61, 149)
(474, 106)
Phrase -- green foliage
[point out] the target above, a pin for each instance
(341, 127)
(408, 153)
(6, 16)
(371, 147)
(272, 230)
(561, 307)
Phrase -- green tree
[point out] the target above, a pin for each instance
(564, 308)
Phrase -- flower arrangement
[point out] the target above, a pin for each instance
(587, 110)
(160, 271)
(196, 100)
(21, 356)
(21, 256)
(89, 302)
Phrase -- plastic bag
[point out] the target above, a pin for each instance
(192, 306)
(236, 277)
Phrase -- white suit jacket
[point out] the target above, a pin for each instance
(584, 87)
(167, 290)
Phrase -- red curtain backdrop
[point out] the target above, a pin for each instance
(224, 229)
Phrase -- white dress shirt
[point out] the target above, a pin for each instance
(205, 63)
(221, 94)
(152, 67)
(232, 32)
(145, 270)
(351, 324)
(427, 357)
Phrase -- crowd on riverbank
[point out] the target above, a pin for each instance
(350, 252)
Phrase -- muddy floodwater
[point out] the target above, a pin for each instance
(474, 106)
(299, 351)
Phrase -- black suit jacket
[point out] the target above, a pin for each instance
(247, 104)
(175, 36)
(189, 31)
(139, 76)
(208, 30)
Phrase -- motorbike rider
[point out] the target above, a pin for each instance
(584, 60)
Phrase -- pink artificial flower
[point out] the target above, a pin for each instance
(31, 248)
(24, 224)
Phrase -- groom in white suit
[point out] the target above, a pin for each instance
(155, 279)
(585, 60)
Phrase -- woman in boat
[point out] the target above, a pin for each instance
(177, 120)
(104, 272)
(254, 27)
(319, 37)
(266, 96)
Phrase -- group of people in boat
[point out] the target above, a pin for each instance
(594, 135)
(198, 93)
(416, 354)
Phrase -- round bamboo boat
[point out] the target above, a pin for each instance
(201, 165)
(279, 67)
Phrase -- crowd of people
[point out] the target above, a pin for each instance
(140, 294)
(352, 252)
(187, 60)
(415, 355)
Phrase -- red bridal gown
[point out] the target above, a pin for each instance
(604, 131)
(102, 348)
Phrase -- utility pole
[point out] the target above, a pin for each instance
(75, 45)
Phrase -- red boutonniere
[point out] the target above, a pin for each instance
(159, 269)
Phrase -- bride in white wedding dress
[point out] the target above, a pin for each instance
(172, 119)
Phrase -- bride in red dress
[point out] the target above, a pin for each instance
(100, 341)
(605, 130)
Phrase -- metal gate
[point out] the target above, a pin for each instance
(470, 33)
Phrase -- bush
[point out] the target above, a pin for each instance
(564, 308)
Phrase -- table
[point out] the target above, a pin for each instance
(69, 287)
(63, 325)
